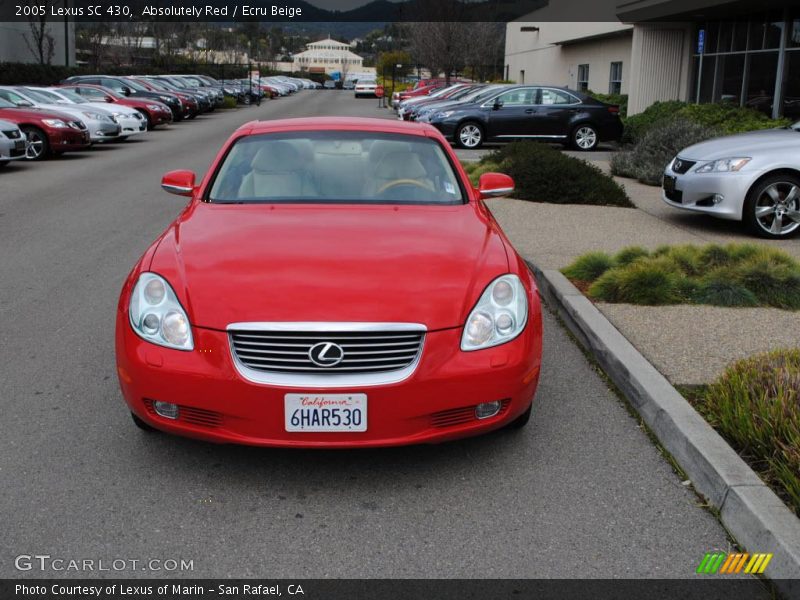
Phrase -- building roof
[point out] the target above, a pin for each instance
(328, 42)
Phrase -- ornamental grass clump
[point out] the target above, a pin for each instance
(735, 275)
(755, 405)
(589, 266)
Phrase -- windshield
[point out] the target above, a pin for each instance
(133, 85)
(336, 167)
(6, 104)
(71, 96)
(158, 85)
(45, 96)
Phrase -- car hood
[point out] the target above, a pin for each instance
(30, 112)
(375, 263)
(744, 144)
(73, 110)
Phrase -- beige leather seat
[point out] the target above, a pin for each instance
(278, 171)
(399, 166)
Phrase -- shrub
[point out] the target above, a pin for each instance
(543, 174)
(620, 100)
(723, 292)
(755, 404)
(774, 284)
(647, 160)
(737, 275)
(637, 125)
(589, 266)
(627, 255)
(608, 287)
(228, 102)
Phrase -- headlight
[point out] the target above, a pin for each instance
(167, 99)
(498, 317)
(156, 314)
(57, 123)
(96, 116)
(444, 115)
(723, 165)
(153, 107)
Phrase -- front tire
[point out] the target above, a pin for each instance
(521, 420)
(38, 146)
(141, 424)
(469, 135)
(584, 137)
(772, 207)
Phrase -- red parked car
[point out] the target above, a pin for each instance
(155, 112)
(48, 132)
(189, 105)
(398, 97)
(333, 282)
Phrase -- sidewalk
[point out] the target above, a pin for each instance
(688, 344)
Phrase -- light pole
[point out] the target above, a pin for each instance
(394, 67)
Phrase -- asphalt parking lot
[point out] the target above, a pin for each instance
(580, 492)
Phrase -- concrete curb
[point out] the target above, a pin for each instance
(753, 514)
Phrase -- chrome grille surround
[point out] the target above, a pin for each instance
(278, 353)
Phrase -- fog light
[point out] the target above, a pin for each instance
(718, 198)
(166, 409)
(487, 409)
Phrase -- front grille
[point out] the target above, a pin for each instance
(137, 115)
(681, 166)
(13, 134)
(77, 125)
(362, 351)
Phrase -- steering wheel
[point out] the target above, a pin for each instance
(414, 182)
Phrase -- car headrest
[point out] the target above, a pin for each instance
(381, 148)
(277, 157)
(400, 165)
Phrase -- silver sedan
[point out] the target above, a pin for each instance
(752, 177)
(12, 143)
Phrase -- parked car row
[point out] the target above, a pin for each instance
(41, 121)
(470, 114)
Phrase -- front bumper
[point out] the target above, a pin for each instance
(68, 139)
(434, 404)
(101, 131)
(12, 149)
(131, 125)
(719, 194)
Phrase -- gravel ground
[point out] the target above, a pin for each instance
(718, 337)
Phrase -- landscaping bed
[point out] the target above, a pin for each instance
(735, 275)
(544, 174)
(755, 406)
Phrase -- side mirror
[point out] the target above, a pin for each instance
(108, 98)
(180, 183)
(498, 104)
(495, 185)
(126, 91)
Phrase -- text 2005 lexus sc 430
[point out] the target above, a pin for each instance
(333, 282)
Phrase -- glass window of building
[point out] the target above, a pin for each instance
(583, 78)
(615, 78)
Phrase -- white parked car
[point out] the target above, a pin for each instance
(12, 143)
(752, 177)
(130, 120)
(365, 87)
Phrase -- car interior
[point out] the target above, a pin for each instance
(336, 167)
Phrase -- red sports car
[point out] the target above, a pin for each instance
(333, 282)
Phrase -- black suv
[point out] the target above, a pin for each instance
(540, 112)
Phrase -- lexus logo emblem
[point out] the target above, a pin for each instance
(678, 164)
(326, 354)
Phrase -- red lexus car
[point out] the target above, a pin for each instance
(155, 112)
(47, 132)
(333, 282)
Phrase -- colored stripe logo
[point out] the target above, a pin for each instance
(722, 562)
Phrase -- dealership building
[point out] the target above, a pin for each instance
(744, 53)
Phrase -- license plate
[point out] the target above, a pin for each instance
(669, 184)
(325, 412)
